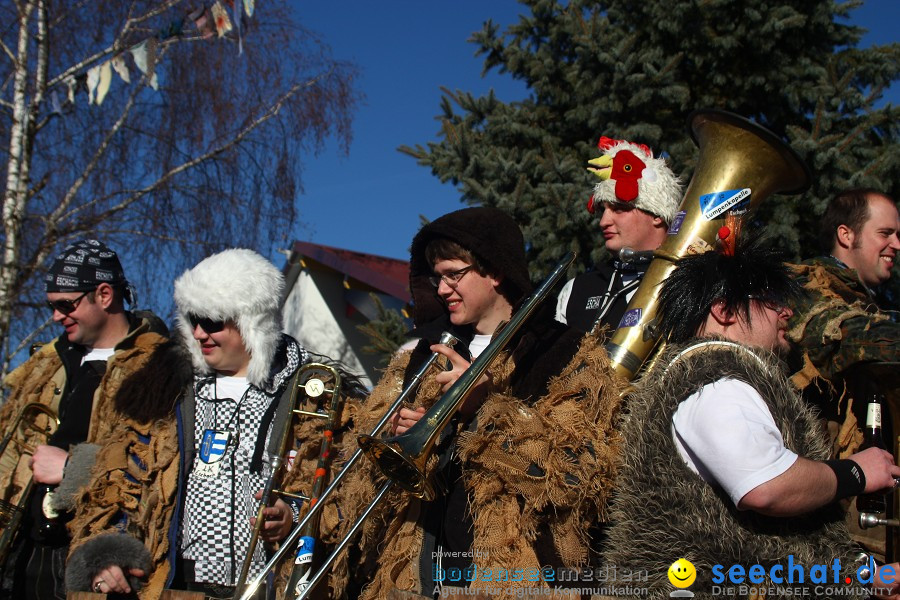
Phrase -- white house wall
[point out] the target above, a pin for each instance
(315, 314)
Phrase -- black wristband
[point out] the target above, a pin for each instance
(851, 481)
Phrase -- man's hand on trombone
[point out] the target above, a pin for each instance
(279, 520)
(405, 418)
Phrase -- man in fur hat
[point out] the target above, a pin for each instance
(723, 462)
(638, 198)
(173, 497)
(527, 465)
(76, 376)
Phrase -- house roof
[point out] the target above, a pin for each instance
(388, 275)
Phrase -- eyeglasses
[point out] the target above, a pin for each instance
(452, 278)
(67, 307)
(206, 324)
(773, 305)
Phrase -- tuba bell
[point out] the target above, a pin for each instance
(740, 164)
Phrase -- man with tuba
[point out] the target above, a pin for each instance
(172, 503)
(723, 462)
(76, 376)
(526, 465)
(637, 198)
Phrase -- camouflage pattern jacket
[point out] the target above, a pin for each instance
(841, 334)
(845, 343)
(838, 325)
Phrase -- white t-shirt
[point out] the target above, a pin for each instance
(98, 354)
(231, 387)
(726, 434)
(478, 344)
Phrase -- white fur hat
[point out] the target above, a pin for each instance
(636, 178)
(241, 286)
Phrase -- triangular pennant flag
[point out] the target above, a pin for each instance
(119, 66)
(236, 10)
(145, 58)
(105, 80)
(55, 104)
(220, 17)
(93, 78)
(70, 83)
(249, 6)
(203, 21)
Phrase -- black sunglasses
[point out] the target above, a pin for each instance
(67, 307)
(206, 324)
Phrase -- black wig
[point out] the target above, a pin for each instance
(754, 270)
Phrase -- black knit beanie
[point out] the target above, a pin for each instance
(488, 233)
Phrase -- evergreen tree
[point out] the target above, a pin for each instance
(386, 332)
(635, 70)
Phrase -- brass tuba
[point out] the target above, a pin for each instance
(27, 420)
(740, 164)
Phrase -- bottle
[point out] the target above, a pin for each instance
(872, 503)
(50, 527)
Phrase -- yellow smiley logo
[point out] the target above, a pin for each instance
(682, 573)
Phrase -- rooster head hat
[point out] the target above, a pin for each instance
(630, 175)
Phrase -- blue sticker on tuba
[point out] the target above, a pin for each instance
(630, 318)
(713, 206)
(675, 227)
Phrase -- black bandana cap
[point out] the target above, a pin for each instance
(83, 266)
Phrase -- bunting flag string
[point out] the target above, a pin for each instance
(209, 20)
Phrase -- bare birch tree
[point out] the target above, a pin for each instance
(167, 129)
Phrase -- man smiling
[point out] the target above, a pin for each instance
(196, 432)
(723, 461)
(839, 324)
(839, 332)
(500, 504)
(77, 375)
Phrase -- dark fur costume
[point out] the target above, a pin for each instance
(664, 511)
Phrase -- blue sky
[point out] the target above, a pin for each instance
(370, 200)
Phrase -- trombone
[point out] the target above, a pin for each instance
(402, 458)
(11, 514)
(298, 580)
(310, 379)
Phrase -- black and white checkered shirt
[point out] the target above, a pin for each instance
(215, 528)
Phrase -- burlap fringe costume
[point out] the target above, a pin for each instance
(42, 379)
(541, 469)
(146, 488)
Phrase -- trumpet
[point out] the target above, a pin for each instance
(402, 458)
(301, 533)
(11, 514)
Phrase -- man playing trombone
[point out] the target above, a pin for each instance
(76, 376)
(525, 467)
